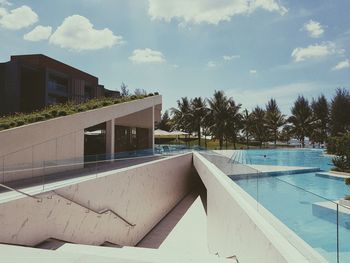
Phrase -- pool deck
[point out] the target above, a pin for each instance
(282, 169)
(335, 175)
(327, 210)
(265, 170)
(272, 170)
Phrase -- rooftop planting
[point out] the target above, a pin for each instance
(59, 110)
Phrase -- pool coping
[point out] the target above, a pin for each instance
(275, 173)
(331, 175)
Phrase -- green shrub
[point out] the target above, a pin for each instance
(20, 122)
(54, 113)
(4, 126)
(81, 109)
(39, 118)
(57, 110)
(347, 181)
(341, 163)
(340, 146)
(106, 103)
(62, 113)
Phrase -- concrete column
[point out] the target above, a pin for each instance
(110, 140)
(152, 130)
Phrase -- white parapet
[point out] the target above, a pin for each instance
(235, 227)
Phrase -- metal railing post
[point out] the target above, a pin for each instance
(337, 233)
(43, 175)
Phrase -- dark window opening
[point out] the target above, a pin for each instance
(57, 85)
(131, 139)
(95, 142)
(32, 90)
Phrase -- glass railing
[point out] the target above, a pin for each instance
(48, 172)
(296, 212)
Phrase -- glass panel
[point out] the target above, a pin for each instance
(309, 216)
(344, 231)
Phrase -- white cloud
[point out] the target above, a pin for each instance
(211, 64)
(147, 55)
(342, 65)
(2, 12)
(78, 33)
(38, 33)
(229, 58)
(208, 11)
(315, 51)
(18, 18)
(314, 28)
(253, 71)
(5, 3)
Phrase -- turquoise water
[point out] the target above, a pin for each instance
(291, 157)
(292, 199)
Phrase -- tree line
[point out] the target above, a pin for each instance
(225, 120)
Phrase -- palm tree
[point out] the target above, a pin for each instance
(286, 134)
(274, 118)
(301, 119)
(219, 112)
(246, 126)
(234, 121)
(340, 112)
(181, 116)
(320, 111)
(198, 114)
(165, 121)
(207, 124)
(259, 129)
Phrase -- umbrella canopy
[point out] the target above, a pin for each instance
(177, 133)
(160, 132)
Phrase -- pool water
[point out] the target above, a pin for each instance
(290, 157)
(292, 199)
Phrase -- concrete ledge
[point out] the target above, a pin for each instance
(328, 211)
(271, 170)
(234, 224)
(333, 175)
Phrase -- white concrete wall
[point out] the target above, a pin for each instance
(142, 194)
(226, 164)
(60, 138)
(140, 119)
(236, 228)
(31, 162)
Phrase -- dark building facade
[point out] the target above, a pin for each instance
(31, 82)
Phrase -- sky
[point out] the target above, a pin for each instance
(251, 49)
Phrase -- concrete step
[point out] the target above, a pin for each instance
(109, 244)
(142, 254)
(50, 244)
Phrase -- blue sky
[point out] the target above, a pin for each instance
(251, 49)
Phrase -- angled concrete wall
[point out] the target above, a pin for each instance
(236, 228)
(142, 194)
(62, 138)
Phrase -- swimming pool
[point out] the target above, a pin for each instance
(290, 157)
(302, 201)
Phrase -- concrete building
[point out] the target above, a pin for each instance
(55, 206)
(78, 138)
(30, 82)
